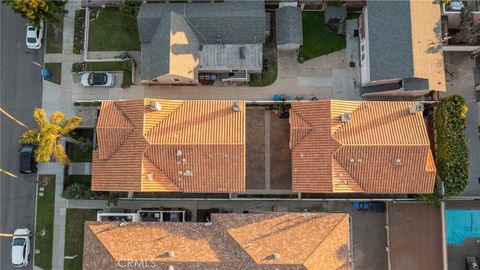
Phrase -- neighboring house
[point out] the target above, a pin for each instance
(154, 145)
(184, 43)
(270, 241)
(401, 48)
(289, 27)
(360, 147)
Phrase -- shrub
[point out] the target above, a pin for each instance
(78, 67)
(77, 191)
(452, 150)
(129, 8)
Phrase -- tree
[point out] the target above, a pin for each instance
(49, 133)
(469, 30)
(452, 150)
(38, 10)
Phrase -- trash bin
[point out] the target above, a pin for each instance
(46, 73)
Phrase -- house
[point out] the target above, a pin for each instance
(289, 31)
(360, 147)
(401, 48)
(282, 241)
(184, 43)
(155, 145)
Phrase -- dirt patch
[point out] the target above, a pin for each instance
(280, 154)
(255, 148)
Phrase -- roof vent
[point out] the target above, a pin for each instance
(275, 256)
(150, 176)
(242, 52)
(236, 106)
(306, 213)
(346, 117)
(170, 254)
(418, 107)
(155, 106)
(351, 161)
(397, 162)
(187, 173)
(179, 153)
(208, 223)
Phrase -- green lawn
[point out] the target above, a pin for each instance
(77, 153)
(318, 39)
(56, 70)
(266, 77)
(74, 231)
(54, 38)
(45, 212)
(112, 31)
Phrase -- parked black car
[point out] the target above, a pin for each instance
(27, 162)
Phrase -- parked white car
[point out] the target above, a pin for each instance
(34, 37)
(20, 247)
(104, 79)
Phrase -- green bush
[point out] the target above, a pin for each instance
(77, 191)
(130, 8)
(452, 150)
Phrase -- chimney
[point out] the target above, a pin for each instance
(155, 106)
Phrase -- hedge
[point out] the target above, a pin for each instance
(452, 150)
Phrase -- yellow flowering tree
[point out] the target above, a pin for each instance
(38, 10)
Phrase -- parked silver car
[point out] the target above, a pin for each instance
(90, 79)
(20, 247)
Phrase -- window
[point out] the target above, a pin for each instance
(363, 47)
(176, 79)
(363, 56)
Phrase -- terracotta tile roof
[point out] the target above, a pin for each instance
(188, 146)
(233, 241)
(360, 155)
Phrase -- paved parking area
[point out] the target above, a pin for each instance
(415, 236)
(268, 155)
(255, 177)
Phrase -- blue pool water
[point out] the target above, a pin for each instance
(462, 224)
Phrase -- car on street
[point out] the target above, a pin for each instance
(27, 161)
(34, 36)
(20, 247)
(90, 79)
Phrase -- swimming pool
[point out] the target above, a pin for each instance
(462, 224)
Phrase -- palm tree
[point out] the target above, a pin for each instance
(49, 133)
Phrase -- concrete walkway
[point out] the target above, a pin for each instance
(80, 168)
(58, 98)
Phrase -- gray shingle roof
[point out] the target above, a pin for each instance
(390, 40)
(229, 22)
(234, 21)
(289, 26)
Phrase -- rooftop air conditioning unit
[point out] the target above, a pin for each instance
(346, 117)
(418, 107)
(236, 106)
(155, 106)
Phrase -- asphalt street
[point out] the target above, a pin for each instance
(20, 93)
